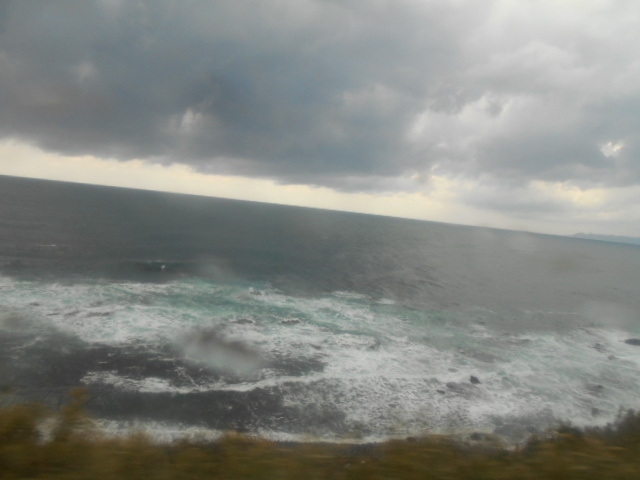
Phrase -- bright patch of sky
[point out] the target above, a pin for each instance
(440, 199)
(522, 115)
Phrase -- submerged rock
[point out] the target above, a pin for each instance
(475, 380)
(633, 341)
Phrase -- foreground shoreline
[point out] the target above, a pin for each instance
(36, 443)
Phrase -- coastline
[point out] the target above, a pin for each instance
(71, 447)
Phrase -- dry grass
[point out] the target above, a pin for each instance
(74, 450)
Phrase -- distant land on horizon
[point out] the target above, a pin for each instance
(609, 238)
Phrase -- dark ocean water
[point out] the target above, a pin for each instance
(190, 315)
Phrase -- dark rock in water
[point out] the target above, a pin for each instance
(441, 392)
(599, 347)
(474, 380)
(633, 341)
(476, 436)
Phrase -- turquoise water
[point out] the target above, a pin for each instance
(184, 315)
(378, 369)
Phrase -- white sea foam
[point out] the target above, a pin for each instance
(168, 432)
(390, 370)
(145, 385)
(160, 432)
(351, 295)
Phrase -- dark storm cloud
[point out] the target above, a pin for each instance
(349, 94)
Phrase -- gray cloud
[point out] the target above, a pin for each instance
(518, 201)
(350, 95)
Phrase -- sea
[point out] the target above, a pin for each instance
(187, 317)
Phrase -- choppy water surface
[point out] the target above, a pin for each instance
(186, 315)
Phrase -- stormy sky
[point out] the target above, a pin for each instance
(517, 114)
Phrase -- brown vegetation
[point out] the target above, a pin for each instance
(72, 449)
